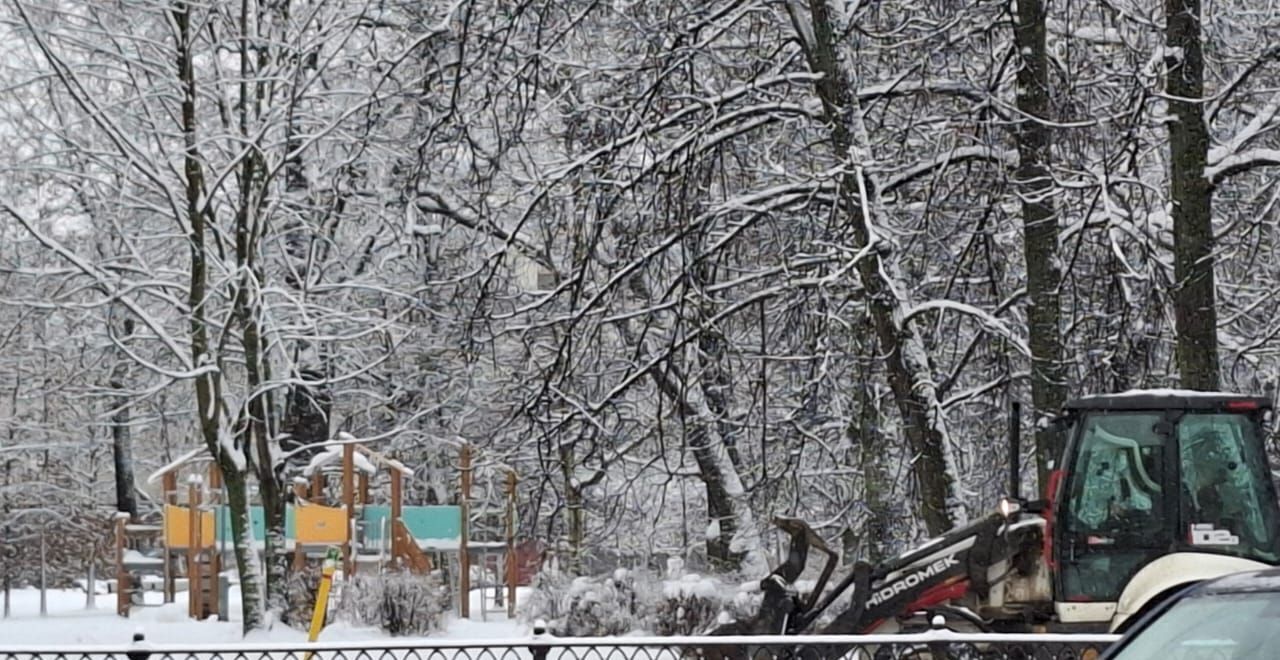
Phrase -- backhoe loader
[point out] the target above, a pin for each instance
(1153, 490)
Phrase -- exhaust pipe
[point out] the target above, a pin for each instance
(1015, 450)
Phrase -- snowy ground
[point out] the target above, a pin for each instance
(70, 624)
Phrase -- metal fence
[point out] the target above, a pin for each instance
(932, 645)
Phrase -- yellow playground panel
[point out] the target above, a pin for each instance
(316, 524)
(177, 527)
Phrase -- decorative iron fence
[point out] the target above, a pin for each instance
(932, 645)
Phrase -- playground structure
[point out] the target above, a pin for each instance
(195, 538)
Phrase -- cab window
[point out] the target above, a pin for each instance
(1117, 518)
(1117, 482)
(1226, 502)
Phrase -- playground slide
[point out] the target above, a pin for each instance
(404, 545)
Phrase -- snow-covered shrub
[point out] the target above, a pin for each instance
(400, 603)
(300, 596)
(693, 604)
(637, 601)
(545, 600)
(585, 606)
(685, 614)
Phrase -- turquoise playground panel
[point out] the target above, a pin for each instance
(436, 522)
(373, 517)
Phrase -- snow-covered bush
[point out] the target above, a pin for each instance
(545, 601)
(585, 606)
(300, 596)
(692, 604)
(636, 602)
(687, 606)
(400, 603)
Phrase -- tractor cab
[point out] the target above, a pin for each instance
(1180, 477)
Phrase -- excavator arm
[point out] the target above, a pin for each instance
(944, 569)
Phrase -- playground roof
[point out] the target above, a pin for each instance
(333, 454)
(365, 458)
(388, 462)
(200, 453)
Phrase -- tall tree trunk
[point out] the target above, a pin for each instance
(909, 371)
(252, 589)
(311, 418)
(257, 429)
(271, 492)
(876, 485)
(9, 552)
(1040, 227)
(713, 377)
(736, 543)
(44, 572)
(122, 453)
(722, 523)
(121, 437)
(91, 579)
(208, 384)
(1195, 308)
(576, 515)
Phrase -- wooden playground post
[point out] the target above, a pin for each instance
(122, 575)
(397, 507)
(512, 560)
(193, 548)
(169, 483)
(299, 494)
(464, 552)
(215, 553)
(349, 501)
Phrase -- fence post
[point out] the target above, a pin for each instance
(539, 632)
(938, 624)
(138, 649)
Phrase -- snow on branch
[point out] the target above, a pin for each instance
(1241, 162)
(103, 280)
(932, 86)
(1097, 34)
(1006, 157)
(433, 202)
(1232, 157)
(991, 323)
(756, 202)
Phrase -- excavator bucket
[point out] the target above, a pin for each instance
(781, 601)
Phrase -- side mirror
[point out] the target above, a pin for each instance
(1036, 506)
